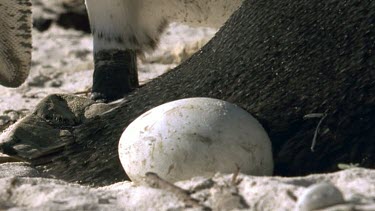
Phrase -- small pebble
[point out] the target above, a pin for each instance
(14, 115)
(319, 196)
(4, 120)
(38, 81)
(55, 83)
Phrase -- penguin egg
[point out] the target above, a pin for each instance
(195, 137)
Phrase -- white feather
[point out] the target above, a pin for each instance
(138, 24)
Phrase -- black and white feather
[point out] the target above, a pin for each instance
(138, 24)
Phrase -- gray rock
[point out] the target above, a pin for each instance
(18, 169)
(319, 196)
(97, 109)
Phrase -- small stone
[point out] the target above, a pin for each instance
(96, 109)
(4, 119)
(18, 169)
(39, 80)
(14, 115)
(55, 83)
(319, 196)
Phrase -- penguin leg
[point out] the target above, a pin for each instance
(115, 74)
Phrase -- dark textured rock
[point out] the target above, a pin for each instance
(279, 60)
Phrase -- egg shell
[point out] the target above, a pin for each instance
(195, 137)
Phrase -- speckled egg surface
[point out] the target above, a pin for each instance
(195, 137)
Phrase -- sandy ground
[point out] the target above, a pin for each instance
(62, 63)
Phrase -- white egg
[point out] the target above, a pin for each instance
(195, 137)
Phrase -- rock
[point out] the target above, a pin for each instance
(195, 137)
(97, 109)
(249, 192)
(18, 169)
(319, 196)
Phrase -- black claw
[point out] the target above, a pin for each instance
(115, 74)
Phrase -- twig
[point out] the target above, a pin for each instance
(153, 180)
(313, 115)
(291, 195)
(343, 166)
(235, 175)
(84, 92)
(322, 116)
